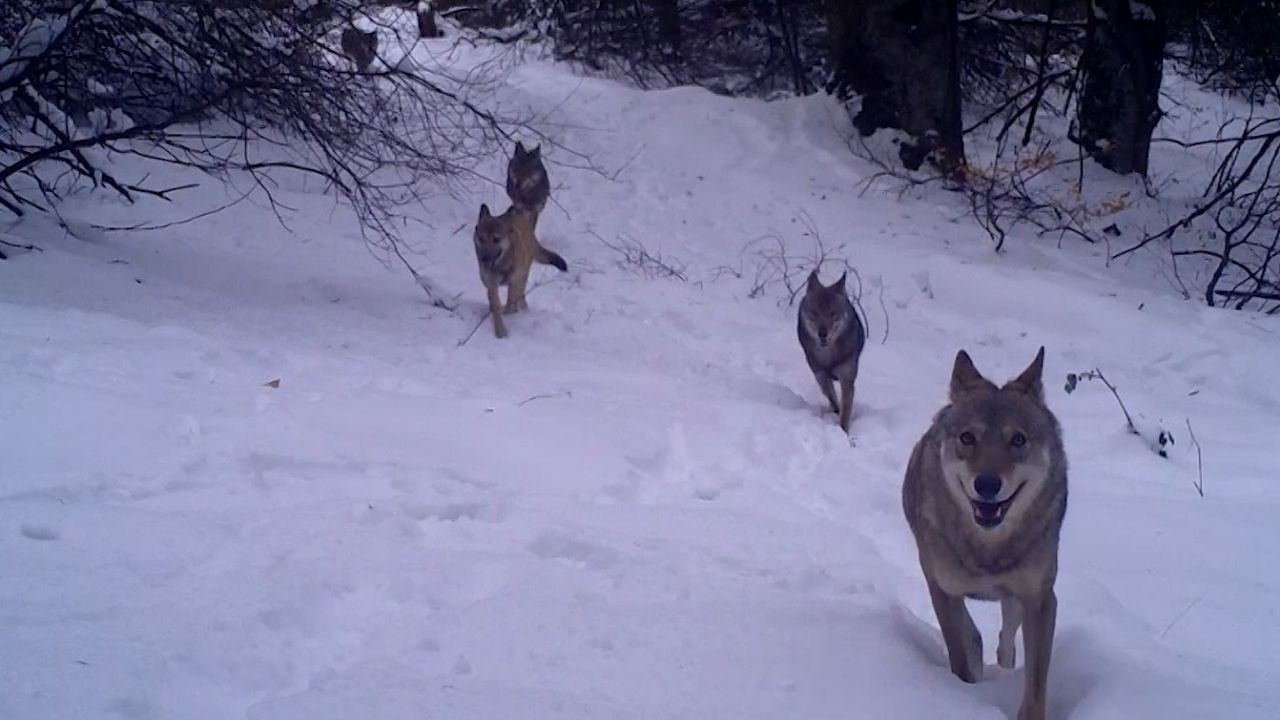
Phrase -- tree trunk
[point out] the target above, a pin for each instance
(900, 56)
(1123, 63)
(668, 15)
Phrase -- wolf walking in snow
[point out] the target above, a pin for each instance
(506, 249)
(832, 337)
(527, 182)
(985, 494)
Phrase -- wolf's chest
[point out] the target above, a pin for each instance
(823, 358)
(500, 268)
(966, 579)
(990, 573)
(827, 356)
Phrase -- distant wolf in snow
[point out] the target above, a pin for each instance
(985, 495)
(527, 182)
(360, 46)
(832, 336)
(506, 249)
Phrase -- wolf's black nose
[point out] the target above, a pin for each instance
(987, 486)
(822, 334)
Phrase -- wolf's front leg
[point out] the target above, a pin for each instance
(961, 636)
(846, 401)
(1040, 617)
(828, 389)
(1010, 619)
(495, 309)
(515, 291)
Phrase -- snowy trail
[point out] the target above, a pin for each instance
(632, 507)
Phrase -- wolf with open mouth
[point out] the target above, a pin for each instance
(985, 495)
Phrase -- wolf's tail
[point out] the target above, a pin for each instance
(547, 257)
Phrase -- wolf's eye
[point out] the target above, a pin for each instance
(1018, 440)
(967, 438)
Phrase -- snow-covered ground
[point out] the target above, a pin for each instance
(630, 508)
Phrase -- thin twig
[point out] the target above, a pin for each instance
(562, 393)
(634, 255)
(1180, 615)
(141, 227)
(18, 246)
(1199, 483)
(1127, 418)
(1096, 374)
(885, 311)
(449, 305)
(483, 316)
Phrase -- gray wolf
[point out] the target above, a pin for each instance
(832, 336)
(506, 248)
(985, 495)
(527, 182)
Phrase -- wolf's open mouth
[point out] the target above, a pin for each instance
(991, 514)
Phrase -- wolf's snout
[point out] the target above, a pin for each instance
(987, 486)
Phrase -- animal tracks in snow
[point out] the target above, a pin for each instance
(477, 511)
(557, 546)
(37, 531)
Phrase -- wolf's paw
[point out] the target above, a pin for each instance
(970, 672)
(1031, 710)
(1006, 655)
(971, 675)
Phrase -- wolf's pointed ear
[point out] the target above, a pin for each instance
(840, 283)
(484, 211)
(1029, 381)
(965, 378)
(813, 284)
(536, 151)
(520, 148)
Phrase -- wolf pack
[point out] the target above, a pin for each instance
(985, 491)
